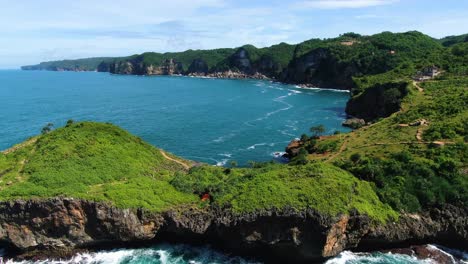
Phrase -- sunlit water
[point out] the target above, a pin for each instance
(208, 120)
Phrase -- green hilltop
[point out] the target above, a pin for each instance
(102, 162)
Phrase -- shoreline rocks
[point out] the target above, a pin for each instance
(354, 123)
(59, 225)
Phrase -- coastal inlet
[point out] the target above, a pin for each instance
(215, 121)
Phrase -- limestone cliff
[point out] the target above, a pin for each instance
(61, 225)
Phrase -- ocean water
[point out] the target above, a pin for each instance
(207, 120)
(183, 254)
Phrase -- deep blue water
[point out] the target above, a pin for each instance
(206, 120)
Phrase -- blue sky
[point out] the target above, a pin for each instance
(39, 30)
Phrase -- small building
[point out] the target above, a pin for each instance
(432, 71)
(427, 73)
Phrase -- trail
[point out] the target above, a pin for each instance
(187, 167)
(419, 134)
(22, 145)
(416, 84)
(342, 148)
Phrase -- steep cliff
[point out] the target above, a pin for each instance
(59, 226)
(380, 100)
(320, 68)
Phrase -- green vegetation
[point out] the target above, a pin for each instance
(414, 155)
(323, 187)
(397, 154)
(92, 161)
(452, 40)
(89, 64)
(105, 163)
(349, 61)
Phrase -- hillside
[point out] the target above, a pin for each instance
(417, 157)
(92, 184)
(336, 62)
(89, 64)
(102, 162)
(91, 161)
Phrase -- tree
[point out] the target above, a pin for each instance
(301, 158)
(47, 128)
(355, 157)
(69, 122)
(304, 138)
(317, 131)
(233, 164)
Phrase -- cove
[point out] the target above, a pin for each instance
(213, 121)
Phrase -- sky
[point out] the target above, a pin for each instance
(32, 31)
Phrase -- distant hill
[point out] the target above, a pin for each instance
(89, 64)
(452, 40)
(333, 62)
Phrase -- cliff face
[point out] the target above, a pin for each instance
(137, 67)
(198, 66)
(60, 225)
(378, 101)
(320, 68)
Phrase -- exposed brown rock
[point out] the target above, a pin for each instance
(63, 225)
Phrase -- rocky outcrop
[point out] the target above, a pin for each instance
(293, 148)
(319, 68)
(63, 225)
(240, 60)
(198, 67)
(168, 67)
(354, 123)
(378, 101)
(138, 67)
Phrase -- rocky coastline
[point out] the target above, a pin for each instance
(63, 226)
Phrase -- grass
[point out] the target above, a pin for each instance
(92, 161)
(411, 174)
(102, 162)
(320, 186)
(443, 104)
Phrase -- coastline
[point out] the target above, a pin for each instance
(217, 75)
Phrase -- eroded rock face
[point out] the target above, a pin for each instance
(354, 123)
(378, 101)
(62, 224)
(293, 148)
(241, 60)
(198, 66)
(319, 68)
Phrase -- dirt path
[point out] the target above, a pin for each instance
(22, 145)
(187, 167)
(342, 148)
(419, 134)
(416, 84)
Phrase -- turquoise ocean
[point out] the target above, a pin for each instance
(206, 120)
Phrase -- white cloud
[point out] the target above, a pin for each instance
(338, 4)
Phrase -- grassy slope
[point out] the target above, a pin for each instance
(105, 163)
(92, 161)
(323, 187)
(442, 102)
(408, 173)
